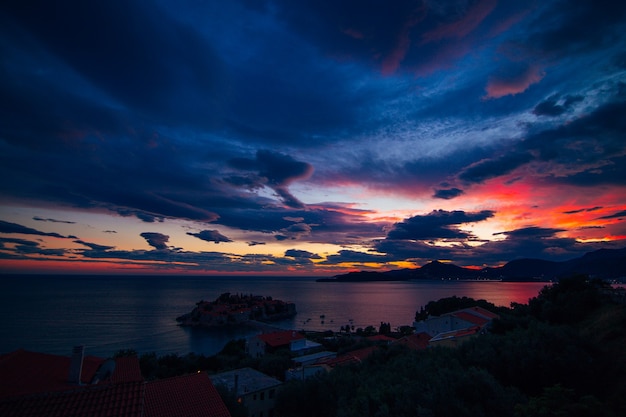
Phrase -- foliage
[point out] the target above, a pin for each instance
(568, 301)
(561, 355)
(450, 304)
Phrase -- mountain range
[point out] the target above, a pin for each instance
(608, 264)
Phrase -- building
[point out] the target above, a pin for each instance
(253, 389)
(36, 384)
(457, 320)
(306, 366)
(455, 337)
(415, 341)
(295, 342)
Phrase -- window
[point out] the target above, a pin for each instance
(262, 396)
(253, 397)
(272, 391)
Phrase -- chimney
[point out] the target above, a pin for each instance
(76, 364)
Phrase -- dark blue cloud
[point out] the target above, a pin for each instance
(126, 49)
(94, 246)
(564, 28)
(275, 169)
(494, 167)
(301, 254)
(447, 193)
(210, 236)
(213, 111)
(554, 106)
(39, 219)
(22, 242)
(350, 256)
(14, 228)
(438, 224)
(157, 240)
(616, 215)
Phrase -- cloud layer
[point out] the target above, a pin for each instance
(308, 137)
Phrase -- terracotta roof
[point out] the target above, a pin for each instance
(455, 334)
(417, 341)
(126, 370)
(482, 312)
(23, 372)
(471, 318)
(184, 396)
(381, 338)
(355, 356)
(36, 384)
(117, 400)
(282, 338)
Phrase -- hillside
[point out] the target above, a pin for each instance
(609, 264)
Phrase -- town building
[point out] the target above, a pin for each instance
(456, 320)
(295, 342)
(415, 341)
(34, 384)
(255, 390)
(455, 337)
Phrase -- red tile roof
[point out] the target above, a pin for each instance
(282, 338)
(471, 318)
(417, 341)
(355, 356)
(126, 370)
(118, 400)
(23, 372)
(36, 384)
(188, 395)
(467, 332)
(481, 311)
(381, 338)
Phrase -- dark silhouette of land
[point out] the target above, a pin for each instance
(607, 264)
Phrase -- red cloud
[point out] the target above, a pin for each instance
(464, 26)
(500, 86)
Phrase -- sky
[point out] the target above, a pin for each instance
(281, 137)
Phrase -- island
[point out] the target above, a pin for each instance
(233, 309)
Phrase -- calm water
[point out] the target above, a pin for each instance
(53, 313)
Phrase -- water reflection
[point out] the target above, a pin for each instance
(52, 314)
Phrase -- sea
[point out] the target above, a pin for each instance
(53, 313)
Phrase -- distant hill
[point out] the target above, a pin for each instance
(607, 264)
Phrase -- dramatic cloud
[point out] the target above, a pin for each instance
(350, 256)
(13, 228)
(301, 254)
(439, 224)
(447, 193)
(617, 215)
(39, 219)
(553, 106)
(494, 167)
(210, 236)
(157, 240)
(95, 246)
(277, 171)
(295, 125)
(513, 81)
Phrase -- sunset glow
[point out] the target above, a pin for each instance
(316, 138)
